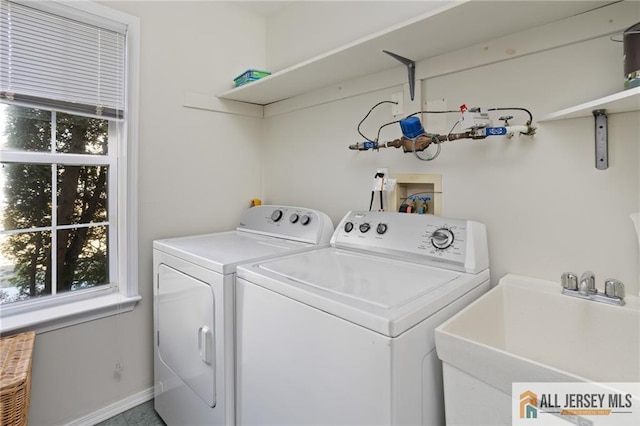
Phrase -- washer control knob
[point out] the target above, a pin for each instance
(276, 215)
(294, 218)
(364, 227)
(305, 219)
(442, 238)
(382, 228)
(348, 227)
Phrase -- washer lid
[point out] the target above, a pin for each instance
(383, 283)
(385, 295)
(221, 252)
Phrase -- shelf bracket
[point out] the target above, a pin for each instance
(602, 143)
(411, 70)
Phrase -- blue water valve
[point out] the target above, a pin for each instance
(411, 127)
(495, 131)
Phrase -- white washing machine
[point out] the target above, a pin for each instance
(344, 335)
(194, 280)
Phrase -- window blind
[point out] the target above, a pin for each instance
(60, 62)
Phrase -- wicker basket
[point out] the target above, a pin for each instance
(15, 378)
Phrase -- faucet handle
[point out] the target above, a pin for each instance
(569, 280)
(588, 283)
(614, 288)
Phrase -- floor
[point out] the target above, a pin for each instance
(141, 415)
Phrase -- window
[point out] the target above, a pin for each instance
(68, 78)
(57, 210)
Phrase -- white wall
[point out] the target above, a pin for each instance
(197, 172)
(548, 210)
(303, 30)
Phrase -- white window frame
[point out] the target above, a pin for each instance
(46, 314)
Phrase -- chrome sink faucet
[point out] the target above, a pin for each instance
(587, 285)
(586, 288)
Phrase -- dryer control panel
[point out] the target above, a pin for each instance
(447, 243)
(293, 223)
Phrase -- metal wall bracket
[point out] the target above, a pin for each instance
(411, 70)
(602, 142)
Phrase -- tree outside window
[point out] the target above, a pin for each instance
(54, 207)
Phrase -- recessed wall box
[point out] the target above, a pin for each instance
(418, 184)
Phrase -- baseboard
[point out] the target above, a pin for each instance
(114, 409)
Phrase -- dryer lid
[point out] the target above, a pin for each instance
(223, 251)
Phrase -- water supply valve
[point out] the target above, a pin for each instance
(474, 118)
(366, 145)
(475, 123)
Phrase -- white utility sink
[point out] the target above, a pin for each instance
(526, 330)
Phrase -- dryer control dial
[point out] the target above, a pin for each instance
(442, 238)
(276, 215)
(348, 227)
(305, 219)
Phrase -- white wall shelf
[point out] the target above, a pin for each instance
(453, 26)
(625, 101)
(210, 103)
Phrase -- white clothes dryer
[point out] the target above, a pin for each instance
(194, 280)
(344, 335)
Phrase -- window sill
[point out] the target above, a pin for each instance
(68, 314)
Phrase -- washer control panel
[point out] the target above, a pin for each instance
(450, 243)
(295, 223)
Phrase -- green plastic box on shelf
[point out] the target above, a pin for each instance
(250, 75)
